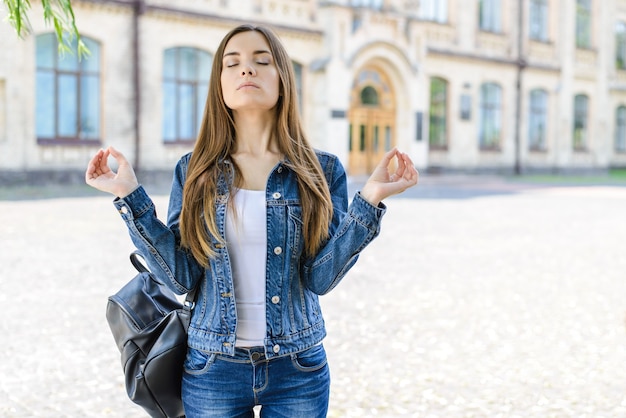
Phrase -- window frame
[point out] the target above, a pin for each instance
(368, 4)
(185, 88)
(490, 16)
(538, 20)
(619, 144)
(537, 118)
(490, 116)
(438, 114)
(58, 71)
(620, 45)
(583, 24)
(298, 73)
(434, 10)
(580, 128)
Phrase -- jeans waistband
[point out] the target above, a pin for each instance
(252, 354)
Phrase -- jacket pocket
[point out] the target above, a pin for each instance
(294, 229)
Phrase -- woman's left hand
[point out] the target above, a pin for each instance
(383, 184)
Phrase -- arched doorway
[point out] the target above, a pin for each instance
(372, 117)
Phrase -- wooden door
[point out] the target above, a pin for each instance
(372, 121)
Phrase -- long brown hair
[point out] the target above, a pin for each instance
(216, 142)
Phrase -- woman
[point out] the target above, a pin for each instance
(261, 223)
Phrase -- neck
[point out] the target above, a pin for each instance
(255, 133)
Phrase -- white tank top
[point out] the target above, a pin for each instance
(246, 237)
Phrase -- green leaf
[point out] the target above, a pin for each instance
(58, 12)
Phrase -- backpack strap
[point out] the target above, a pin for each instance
(136, 260)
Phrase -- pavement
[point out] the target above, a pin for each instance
(482, 297)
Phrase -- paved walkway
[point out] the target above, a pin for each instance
(481, 298)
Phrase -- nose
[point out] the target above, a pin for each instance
(249, 70)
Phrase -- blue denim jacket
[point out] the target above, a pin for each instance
(293, 281)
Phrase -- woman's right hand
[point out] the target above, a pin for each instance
(100, 176)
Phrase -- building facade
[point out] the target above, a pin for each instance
(480, 85)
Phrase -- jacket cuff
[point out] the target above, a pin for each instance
(365, 212)
(134, 205)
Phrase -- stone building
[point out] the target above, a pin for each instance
(461, 85)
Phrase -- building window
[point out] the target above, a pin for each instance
(490, 117)
(387, 138)
(438, 123)
(185, 85)
(369, 96)
(620, 45)
(297, 71)
(489, 15)
(434, 10)
(583, 23)
(620, 129)
(581, 108)
(538, 20)
(370, 4)
(67, 92)
(538, 115)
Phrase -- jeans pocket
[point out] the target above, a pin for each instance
(198, 362)
(310, 360)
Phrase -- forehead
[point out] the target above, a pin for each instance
(247, 42)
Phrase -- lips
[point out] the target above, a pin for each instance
(247, 84)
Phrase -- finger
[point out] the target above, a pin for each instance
(103, 162)
(96, 158)
(412, 175)
(102, 166)
(121, 159)
(407, 165)
(401, 169)
(94, 163)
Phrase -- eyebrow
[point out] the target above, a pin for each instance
(257, 52)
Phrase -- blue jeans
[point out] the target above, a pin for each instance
(293, 386)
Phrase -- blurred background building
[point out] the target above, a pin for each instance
(461, 85)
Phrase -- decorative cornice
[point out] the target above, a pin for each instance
(146, 7)
(504, 61)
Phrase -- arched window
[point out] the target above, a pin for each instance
(537, 118)
(68, 92)
(186, 73)
(369, 96)
(581, 109)
(438, 113)
(490, 130)
(620, 129)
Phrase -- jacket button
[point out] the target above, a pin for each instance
(276, 349)
(278, 250)
(124, 210)
(280, 169)
(275, 299)
(276, 195)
